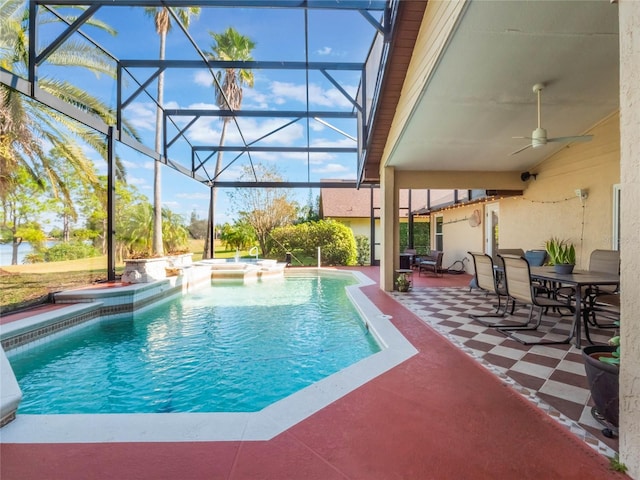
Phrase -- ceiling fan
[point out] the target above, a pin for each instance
(539, 136)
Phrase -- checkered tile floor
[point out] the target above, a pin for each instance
(551, 376)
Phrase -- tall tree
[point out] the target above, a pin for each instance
(228, 46)
(264, 208)
(162, 18)
(26, 126)
(21, 207)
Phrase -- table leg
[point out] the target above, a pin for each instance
(578, 318)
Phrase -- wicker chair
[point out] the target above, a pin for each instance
(431, 262)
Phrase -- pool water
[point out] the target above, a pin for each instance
(228, 348)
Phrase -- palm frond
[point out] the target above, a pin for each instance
(83, 55)
(92, 22)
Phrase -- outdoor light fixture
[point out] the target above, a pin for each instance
(524, 176)
(582, 194)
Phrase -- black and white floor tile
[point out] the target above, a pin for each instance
(551, 376)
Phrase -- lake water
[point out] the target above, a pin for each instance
(6, 250)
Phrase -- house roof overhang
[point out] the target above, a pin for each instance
(476, 95)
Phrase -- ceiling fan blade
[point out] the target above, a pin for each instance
(576, 138)
(523, 138)
(523, 148)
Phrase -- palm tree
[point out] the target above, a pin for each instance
(162, 18)
(27, 125)
(229, 45)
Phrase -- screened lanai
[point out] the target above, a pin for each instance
(309, 106)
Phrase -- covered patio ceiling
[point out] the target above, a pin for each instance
(478, 95)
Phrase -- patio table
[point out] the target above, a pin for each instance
(577, 279)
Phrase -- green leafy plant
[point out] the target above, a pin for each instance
(403, 282)
(560, 252)
(362, 249)
(615, 355)
(616, 465)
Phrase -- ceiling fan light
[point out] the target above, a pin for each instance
(539, 138)
(539, 134)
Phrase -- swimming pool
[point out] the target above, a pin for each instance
(229, 348)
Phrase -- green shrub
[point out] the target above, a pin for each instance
(34, 257)
(70, 251)
(286, 239)
(362, 249)
(421, 237)
(336, 241)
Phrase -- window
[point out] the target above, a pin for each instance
(616, 217)
(439, 239)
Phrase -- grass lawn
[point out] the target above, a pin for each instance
(26, 285)
(22, 286)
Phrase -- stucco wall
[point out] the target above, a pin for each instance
(362, 226)
(459, 237)
(630, 244)
(550, 206)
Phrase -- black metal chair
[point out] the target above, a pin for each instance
(599, 261)
(606, 306)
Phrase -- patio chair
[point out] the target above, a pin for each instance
(487, 281)
(432, 262)
(506, 251)
(604, 305)
(517, 277)
(607, 261)
(497, 260)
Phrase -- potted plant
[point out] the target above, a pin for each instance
(403, 282)
(602, 366)
(562, 254)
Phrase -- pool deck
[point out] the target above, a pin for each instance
(441, 414)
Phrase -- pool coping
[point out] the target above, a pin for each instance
(206, 427)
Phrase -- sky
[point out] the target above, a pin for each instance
(279, 36)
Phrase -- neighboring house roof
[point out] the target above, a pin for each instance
(356, 203)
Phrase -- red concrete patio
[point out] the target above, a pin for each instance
(438, 415)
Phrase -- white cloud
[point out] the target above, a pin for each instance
(193, 196)
(317, 158)
(141, 115)
(203, 78)
(330, 168)
(316, 126)
(129, 164)
(324, 51)
(254, 99)
(203, 131)
(335, 170)
(204, 106)
(340, 142)
(332, 97)
(136, 180)
(254, 129)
